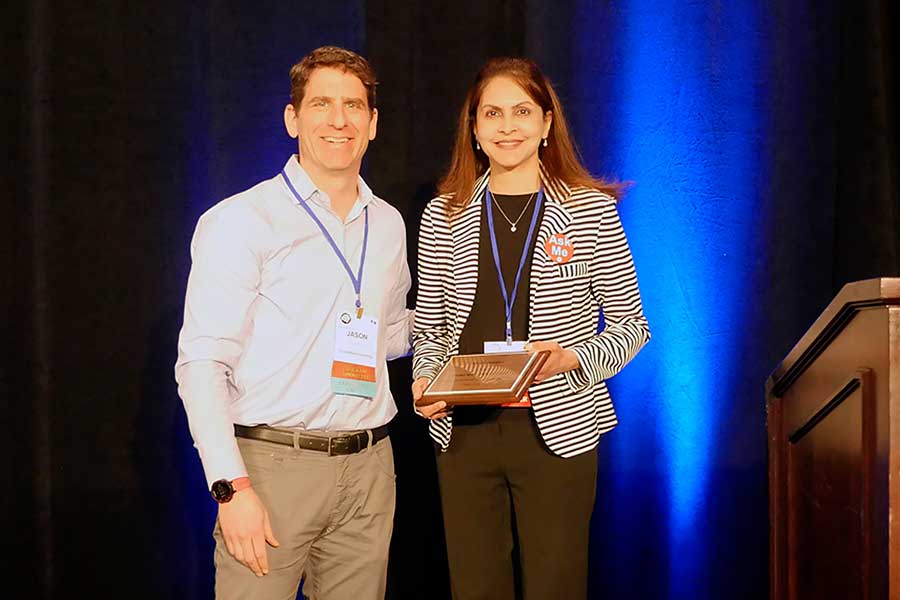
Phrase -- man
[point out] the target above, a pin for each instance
(295, 300)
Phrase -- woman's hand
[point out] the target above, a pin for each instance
(437, 410)
(559, 361)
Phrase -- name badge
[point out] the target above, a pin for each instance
(355, 349)
(502, 346)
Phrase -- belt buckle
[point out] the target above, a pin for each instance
(339, 445)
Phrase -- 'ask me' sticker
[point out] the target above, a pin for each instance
(559, 248)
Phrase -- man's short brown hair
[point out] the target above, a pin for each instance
(335, 58)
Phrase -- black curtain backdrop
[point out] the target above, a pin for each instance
(123, 122)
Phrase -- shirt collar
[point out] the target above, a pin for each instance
(309, 192)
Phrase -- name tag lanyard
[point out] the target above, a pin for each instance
(507, 303)
(357, 280)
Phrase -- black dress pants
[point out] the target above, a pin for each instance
(505, 497)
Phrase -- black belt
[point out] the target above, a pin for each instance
(337, 444)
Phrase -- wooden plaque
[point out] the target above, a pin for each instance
(497, 378)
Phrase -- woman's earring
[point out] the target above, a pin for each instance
(477, 145)
(545, 142)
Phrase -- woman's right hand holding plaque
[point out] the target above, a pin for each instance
(435, 410)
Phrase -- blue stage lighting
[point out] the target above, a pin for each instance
(669, 95)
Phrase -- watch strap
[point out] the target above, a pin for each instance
(241, 483)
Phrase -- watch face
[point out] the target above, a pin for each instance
(222, 490)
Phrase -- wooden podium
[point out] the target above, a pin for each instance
(833, 413)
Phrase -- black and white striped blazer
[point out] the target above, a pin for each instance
(572, 409)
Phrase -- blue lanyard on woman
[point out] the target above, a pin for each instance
(357, 280)
(507, 302)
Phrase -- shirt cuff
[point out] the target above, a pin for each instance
(578, 379)
(222, 463)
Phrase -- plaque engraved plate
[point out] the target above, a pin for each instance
(496, 378)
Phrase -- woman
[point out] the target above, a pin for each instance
(522, 250)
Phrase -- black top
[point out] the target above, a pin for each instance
(487, 320)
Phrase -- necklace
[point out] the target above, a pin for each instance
(512, 224)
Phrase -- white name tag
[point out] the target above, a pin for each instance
(502, 346)
(355, 351)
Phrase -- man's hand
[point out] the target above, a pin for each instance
(438, 410)
(559, 361)
(246, 529)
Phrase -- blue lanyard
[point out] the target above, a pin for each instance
(508, 304)
(357, 280)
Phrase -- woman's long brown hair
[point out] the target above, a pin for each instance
(559, 157)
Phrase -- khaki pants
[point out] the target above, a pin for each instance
(333, 516)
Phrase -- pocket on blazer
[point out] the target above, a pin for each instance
(574, 270)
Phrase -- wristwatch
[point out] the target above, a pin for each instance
(223, 490)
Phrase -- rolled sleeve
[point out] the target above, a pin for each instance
(221, 291)
(431, 335)
(614, 283)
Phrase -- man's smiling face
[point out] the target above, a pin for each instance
(333, 122)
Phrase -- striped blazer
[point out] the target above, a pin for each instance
(571, 409)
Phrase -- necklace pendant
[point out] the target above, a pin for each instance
(513, 228)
